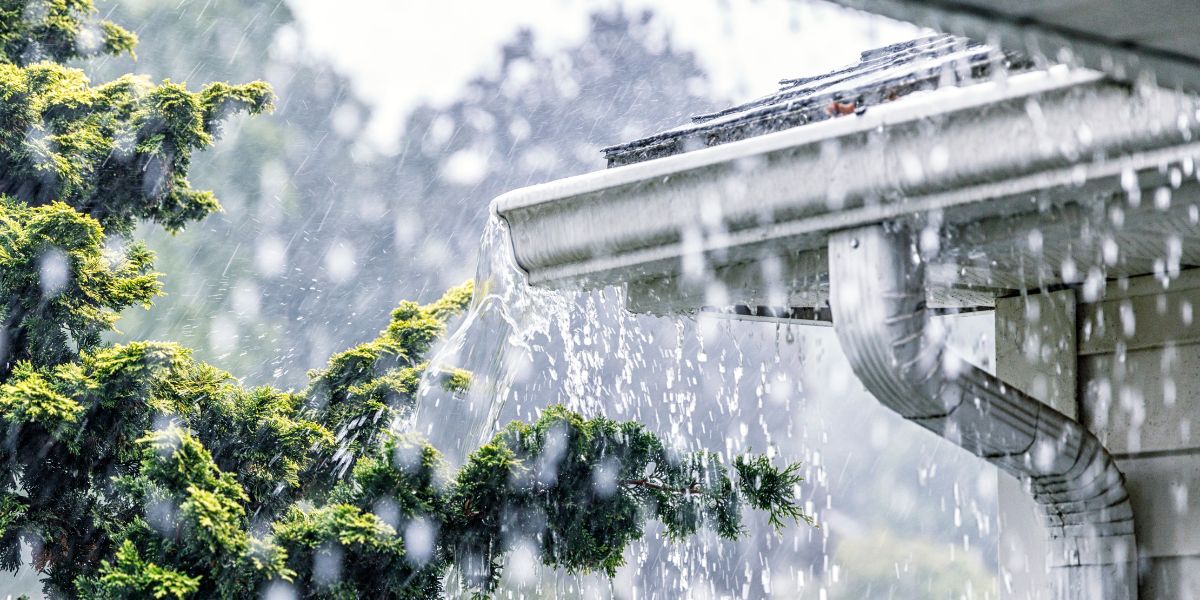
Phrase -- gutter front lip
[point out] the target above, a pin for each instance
(910, 108)
(1109, 171)
(786, 191)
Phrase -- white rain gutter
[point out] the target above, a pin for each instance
(789, 188)
(1005, 148)
(877, 293)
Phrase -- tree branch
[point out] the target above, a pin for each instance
(693, 488)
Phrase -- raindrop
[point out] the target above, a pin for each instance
(522, 563)
(466, 167)
(270, 256)
(222, 335)
(1035, 241)
(1128, 321)
(280, 590)
(1110, 251)
(929, 241)
(1162, 198)
(1070, 274)
(1093, 285)
(53, 270)
(1179, 494)
(1133, 190)
(327, 565)
(245, 299)
(341, 261)
(939, 159)
(419, 540)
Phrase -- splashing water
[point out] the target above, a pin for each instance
(584, 349)
(700, 383)
(505, 313)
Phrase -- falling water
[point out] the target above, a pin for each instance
(724, 386)
(505, 313)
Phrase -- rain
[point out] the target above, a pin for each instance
(940, 264)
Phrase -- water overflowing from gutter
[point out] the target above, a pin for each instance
(580, 349)
(700, 383)
(489, 343)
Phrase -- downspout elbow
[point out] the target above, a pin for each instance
(877, 281)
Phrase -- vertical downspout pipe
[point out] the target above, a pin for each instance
(877, 281)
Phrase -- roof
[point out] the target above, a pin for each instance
(1127, 39)
(1074, 144)
(881, 75)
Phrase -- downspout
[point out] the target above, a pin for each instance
(877, 294)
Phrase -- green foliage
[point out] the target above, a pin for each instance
(592, 483)
(61, 287)
(28, 400)
(195, 515)
(57, 30)
(768, 488)
(94, 476)
(116, 152)
(131, 577)
(12, 514)
(364, 391)
(135, 471)
(363, 556)
(366, 379)
(140, 444)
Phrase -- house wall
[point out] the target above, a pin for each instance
(1132, 360)
(1139, 384)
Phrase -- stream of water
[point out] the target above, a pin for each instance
(489, 343)
(581, 349)
(724, 386)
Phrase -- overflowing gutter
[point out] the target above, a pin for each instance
(998, 184)
(997, 144)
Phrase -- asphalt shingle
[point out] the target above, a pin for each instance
(881, 75)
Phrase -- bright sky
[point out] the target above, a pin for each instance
(401, 52)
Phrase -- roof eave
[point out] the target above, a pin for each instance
(1124, 59)
(784, 192)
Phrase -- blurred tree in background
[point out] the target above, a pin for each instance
(879, 565)
(323, 233)
(134, 470)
